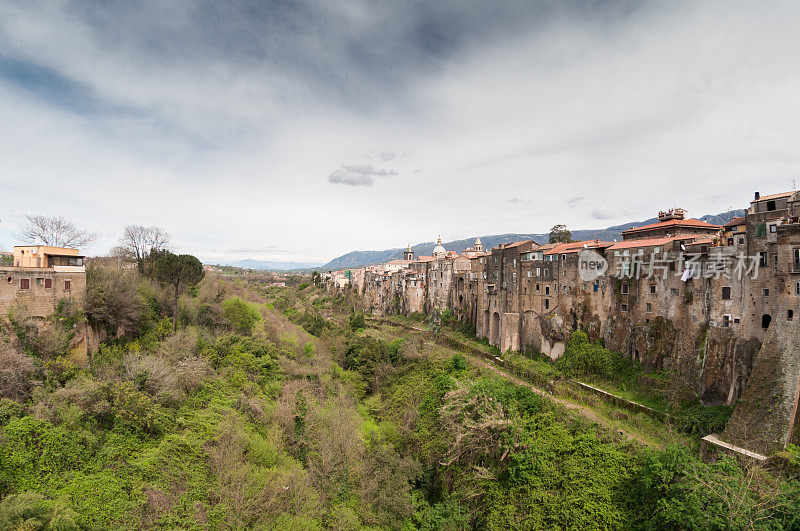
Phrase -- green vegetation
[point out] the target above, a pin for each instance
(282, 409)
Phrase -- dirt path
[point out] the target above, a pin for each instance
(584, 411)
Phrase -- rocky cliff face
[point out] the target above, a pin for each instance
(764, 417)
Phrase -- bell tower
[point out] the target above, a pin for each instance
(408, 254)
(478, 245)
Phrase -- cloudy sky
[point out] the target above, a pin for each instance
(303, 130)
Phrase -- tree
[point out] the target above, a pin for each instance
(56, 231)
(143, 244)
(315, 278)
(241, 314)
(180, 271)
(112, 300)
(560, 234)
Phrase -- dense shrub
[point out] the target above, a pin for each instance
(583, 357)
(357, 321)
(112, 300)
(16, 373)
(242, 315)
(35, 455)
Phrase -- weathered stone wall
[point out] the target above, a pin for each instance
(764, 417)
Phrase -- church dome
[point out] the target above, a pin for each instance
(439, 251)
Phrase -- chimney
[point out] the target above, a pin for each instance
(758, 195)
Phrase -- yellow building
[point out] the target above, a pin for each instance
(57, 258)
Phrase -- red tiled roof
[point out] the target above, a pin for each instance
(516, 244)
(735, 222)
(772, 196)
(695, 223)
(574, 247)
(647, 242)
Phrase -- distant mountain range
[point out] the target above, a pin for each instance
(365, 258)
(271, 266)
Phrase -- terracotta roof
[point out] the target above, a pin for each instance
(696, 223)
(574, 247)
(647, 242)
(397, 262)
(772, 196)
(735, 222)
(516, 244)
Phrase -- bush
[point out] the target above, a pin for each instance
(16, 371)
(357, 321)
(242, 315)
(457, 363)
(35, 455)
(30, 511)
(583, 357)
(112, 299)
(9, 410)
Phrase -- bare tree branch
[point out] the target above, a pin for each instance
(56, 231)
(140, 242)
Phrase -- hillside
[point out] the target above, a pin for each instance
(365, 258)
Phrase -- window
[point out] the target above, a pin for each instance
(796, 259)
(773, 229)
(537, 287)
(762, 258)
(789, 315)
(547, 304)
(766, 292)
(741, 241)
(513, 277)
(515, 263)
(652, 288)
(797, 288)
(765, 320)
(529, 274)
(596, 285)
(39, 281)
(726, 292)
(67, 285)
(624, 307)
(547, 290)
(48, 283)
(625, 288)
(565, 289)
(674, 291)
(770, 206)
(730, 241)
(563, 257)
(735, 320)
(649, 307)
(24, 283)
(538, 271)
(726, 321)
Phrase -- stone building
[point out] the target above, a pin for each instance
(40, 277)
(679, 294)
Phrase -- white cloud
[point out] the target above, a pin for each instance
(225, 137)
(358, 175)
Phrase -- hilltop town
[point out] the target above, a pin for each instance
(713, 303)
